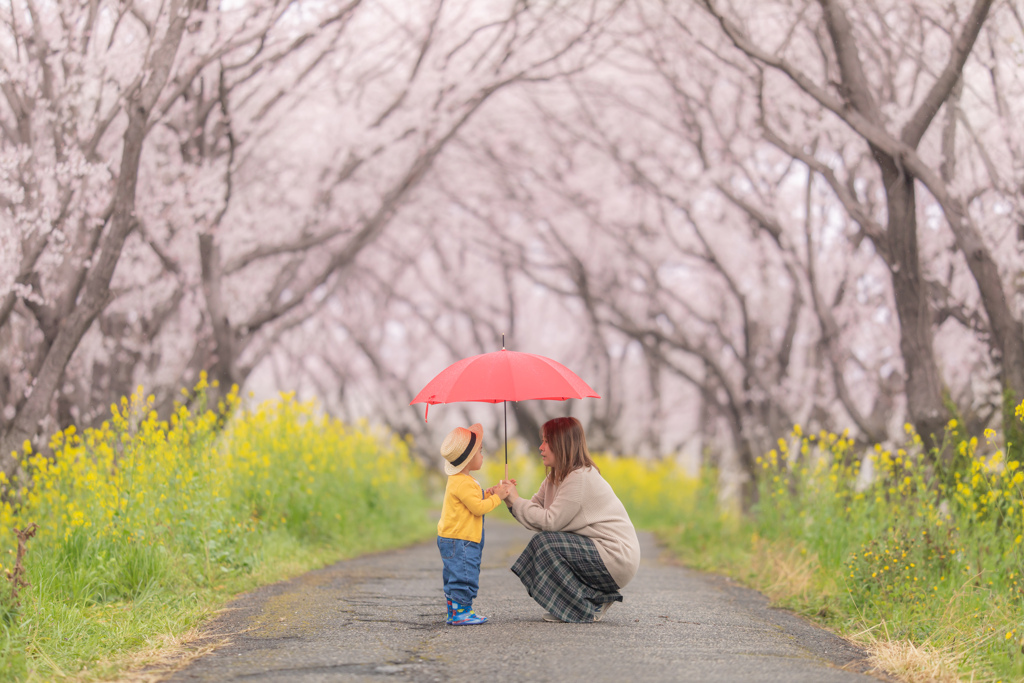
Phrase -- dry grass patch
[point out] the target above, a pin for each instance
(913, 663)
(166, 654)
(783, 571)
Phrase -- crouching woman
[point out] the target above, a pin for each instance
(586, 548)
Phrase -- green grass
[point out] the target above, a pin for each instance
(922, 565)
(85, 624)
(903, 558)
(148, 527)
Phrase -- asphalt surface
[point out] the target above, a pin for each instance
(382, 618)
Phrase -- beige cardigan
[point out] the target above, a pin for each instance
(585, 504)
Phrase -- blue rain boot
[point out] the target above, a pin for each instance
(463, 615)
(451, 612)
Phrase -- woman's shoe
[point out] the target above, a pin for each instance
(605, 606)
(548, 616)
(463, 615)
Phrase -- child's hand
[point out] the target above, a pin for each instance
(506, 489)
(488, 492)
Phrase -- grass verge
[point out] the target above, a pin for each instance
(918, 562)
(146, 527)
(917, 557)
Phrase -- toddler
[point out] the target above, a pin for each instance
(460, 532)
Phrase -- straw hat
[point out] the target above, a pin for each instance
(460, 446)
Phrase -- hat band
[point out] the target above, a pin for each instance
(465, 454)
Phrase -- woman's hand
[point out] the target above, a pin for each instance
(512, 492)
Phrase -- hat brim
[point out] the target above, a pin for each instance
(477, 429)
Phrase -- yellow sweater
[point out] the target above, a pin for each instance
(464, 507)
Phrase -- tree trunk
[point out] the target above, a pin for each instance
(527, 425)
(95, 299)
(223, 368)
(923, 384)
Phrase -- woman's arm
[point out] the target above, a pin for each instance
(560, 512)
(513, 496)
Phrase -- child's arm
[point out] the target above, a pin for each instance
(468, 492)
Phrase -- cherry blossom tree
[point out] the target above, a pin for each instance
(813, 66)
(711, 154)
(404, 103)
(728, 217)
(284, 141)
(353, 140)
(79, 95)
(707, 106)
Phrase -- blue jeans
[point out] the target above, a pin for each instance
(461, 572)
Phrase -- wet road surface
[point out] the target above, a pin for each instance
(381, 618)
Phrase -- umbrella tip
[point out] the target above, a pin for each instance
(502, 341)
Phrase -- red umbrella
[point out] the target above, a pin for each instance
(502, 376)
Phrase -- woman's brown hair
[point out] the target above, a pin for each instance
(568, 444)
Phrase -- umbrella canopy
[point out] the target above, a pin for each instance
(502, 376)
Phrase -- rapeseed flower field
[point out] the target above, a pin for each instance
(893, 544)
(145, 525)
(143, 522)
(656, 493)
(904, 550)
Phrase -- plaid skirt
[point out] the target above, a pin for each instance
(564, 573)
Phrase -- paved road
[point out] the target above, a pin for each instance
(381, 618)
